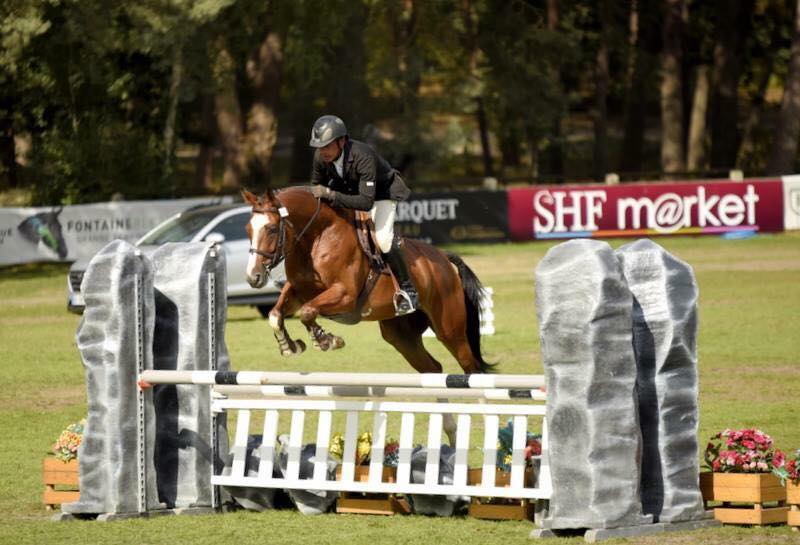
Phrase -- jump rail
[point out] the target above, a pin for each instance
(273, 400)
(407, 380)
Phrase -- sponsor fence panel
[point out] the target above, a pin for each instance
(645, 209)
(56, 233)
(791, 200)
(465, 216)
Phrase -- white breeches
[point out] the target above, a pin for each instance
(382, 214)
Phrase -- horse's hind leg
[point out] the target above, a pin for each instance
(405, 334)
(451, 330)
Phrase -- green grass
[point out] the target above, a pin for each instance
(748, 361)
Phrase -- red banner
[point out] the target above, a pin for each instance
(679, 208)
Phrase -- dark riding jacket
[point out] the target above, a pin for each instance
(367, 177)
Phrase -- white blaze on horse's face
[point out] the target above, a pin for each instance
(255, 272)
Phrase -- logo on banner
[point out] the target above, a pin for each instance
(45, 228)
(794, 201)
(581, 212)
(419, 211)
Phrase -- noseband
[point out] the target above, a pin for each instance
(283, 218)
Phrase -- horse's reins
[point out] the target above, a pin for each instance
(283, 218)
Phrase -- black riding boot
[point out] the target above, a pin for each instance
(405, 300)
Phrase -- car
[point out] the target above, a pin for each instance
(224, 224)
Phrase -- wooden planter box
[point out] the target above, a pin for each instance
(793, 499)
(371, 504)
(60, 482)
(500, 508)
(750, 491)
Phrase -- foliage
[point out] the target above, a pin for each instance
(505, 446)
(364, 449)
(66, 447)
(743, 451)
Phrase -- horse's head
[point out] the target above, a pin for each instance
(267, 233)
(46, 228)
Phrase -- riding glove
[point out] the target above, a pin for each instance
(323, 192)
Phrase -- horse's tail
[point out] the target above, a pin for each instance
(473, 293)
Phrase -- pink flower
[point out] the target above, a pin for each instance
(778, 459)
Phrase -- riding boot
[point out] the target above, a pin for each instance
(405, 300)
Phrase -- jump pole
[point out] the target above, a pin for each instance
(325, 392)
(404, 380)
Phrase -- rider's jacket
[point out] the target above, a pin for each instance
(367, 177)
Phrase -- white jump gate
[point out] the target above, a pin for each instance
(281, 394)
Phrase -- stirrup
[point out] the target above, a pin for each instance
(403, 304)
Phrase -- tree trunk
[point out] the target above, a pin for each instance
(553, 160)
(745, 157)
(172, 109)
(697, 126)
(784, 151)
(643, 42)
(672, 156)
(732, 25)
(204, 166)
(229, 119)
(8, 151)
(471, 46)
(601, 79)
(264, 77)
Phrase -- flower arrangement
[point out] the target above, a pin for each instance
(364, 449)
(791, 469)
(66, 447)
(505, 442)
(744, 451)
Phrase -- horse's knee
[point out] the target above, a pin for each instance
(307, 314)
(275, 320)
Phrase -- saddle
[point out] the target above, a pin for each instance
(365, 231)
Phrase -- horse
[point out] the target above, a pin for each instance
(327, 273)
(44, 227)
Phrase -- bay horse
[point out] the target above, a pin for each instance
(326, 271)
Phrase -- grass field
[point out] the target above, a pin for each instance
(749, 365)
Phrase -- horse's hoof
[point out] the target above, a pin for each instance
(300, 346)
(337, 343)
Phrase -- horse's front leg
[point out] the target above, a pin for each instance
(334, 300)
(286, 304)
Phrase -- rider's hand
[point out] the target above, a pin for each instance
(322, 192)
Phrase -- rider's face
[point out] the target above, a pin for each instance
(330, 152)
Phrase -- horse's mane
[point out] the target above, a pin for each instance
(287, 195)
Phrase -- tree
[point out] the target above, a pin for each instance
(732, 24)
(672, 154)
(784, 151)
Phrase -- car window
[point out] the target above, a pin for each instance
(180, 229)
(233, 228)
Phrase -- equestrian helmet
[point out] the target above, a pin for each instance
(326, 129)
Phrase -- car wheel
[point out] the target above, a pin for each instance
(264, 310)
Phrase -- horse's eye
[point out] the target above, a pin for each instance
(272, 229)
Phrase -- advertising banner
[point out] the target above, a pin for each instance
(56, 233)
(679, 208)
(791, 202)
(465, 216)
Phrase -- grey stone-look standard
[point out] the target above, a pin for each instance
(114, 338)
(584, 310)
(665, 342)
(190, 296)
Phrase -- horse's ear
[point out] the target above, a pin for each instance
(249, 198)
(269, 194)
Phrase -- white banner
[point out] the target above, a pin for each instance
(56, 233)
(791, 202)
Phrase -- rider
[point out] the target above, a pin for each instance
(350, 174)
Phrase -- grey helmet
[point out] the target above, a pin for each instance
(326, 129)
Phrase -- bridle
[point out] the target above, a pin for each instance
(278, 255)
